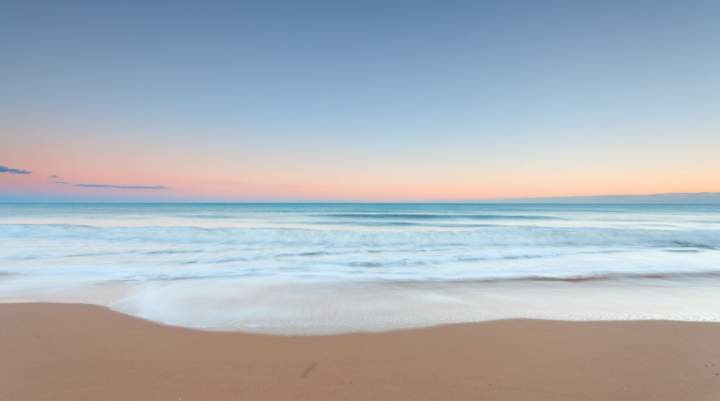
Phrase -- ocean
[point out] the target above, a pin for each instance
(333, 268)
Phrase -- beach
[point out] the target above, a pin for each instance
(360, 201)
(83, 352)
(272, 302)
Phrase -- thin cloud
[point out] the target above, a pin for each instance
(112, 186)
(8, 170)
(53, 177)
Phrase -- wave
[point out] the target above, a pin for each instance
(436, 216)
(579, 278)
(499, 278)
(697, 238)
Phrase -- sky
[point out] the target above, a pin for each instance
(357, 101)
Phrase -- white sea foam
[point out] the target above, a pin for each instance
(334, 268)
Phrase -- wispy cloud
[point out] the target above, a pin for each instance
(8, 170)
(113, 186)
(57, 180)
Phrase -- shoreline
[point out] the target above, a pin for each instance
(281, 333)
(84, 352)
(302, 308)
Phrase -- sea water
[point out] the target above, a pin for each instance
(330, 268)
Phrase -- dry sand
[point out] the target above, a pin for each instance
(80, 352)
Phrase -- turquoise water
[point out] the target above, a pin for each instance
(345, 267)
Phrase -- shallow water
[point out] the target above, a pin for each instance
(317, 268)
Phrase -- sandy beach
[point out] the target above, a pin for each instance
(80, 352)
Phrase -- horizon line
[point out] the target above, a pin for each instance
(653, 198)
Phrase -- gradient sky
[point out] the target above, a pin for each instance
(363, 100)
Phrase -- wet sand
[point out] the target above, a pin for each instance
(71, 352)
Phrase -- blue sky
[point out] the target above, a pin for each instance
(360, 100)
